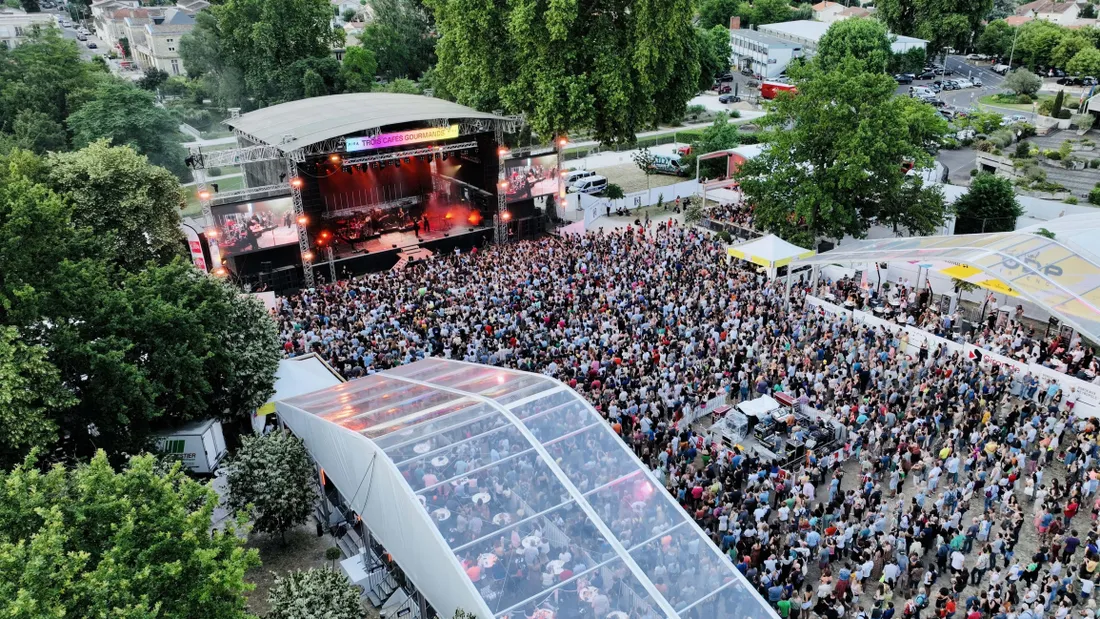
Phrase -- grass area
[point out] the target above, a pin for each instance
(1022, 107)
(193, 209)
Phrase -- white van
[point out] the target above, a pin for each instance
(572, 176)
(590, 185)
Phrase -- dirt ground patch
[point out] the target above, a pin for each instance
(630, 178)
(303, 550)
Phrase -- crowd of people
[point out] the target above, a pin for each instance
(963, 493)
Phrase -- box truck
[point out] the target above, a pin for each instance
(200, 445)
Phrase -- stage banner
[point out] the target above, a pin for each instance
(194, 246)
(1017, 366)
(401, 138)
(920, 336)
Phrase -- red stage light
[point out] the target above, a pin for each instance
(563, 141)
(502, 151)
(504, 184)
(204, 195)
(448, 215)
(212, 233)
(325, 234)
(220, 272)
(334, 158)
(296, 183)
(307, 256)
(506, 216)
(303, 220)
(474, 218)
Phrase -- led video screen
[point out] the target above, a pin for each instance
(530, 177)
(252, 226)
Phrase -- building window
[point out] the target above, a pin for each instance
(19, 31)
(175, 67)
(171, 49)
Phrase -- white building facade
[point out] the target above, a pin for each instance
(16, 26)
(761, 53)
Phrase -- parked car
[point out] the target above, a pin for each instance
(903, 78)
(964, 83)
(977, 57)
(1070, 81)
(977, 81)
(590, 185)
(724, 88)
(729, 98)
(1016, 118)
(919, 91)
(81, 37)
(927, 75)
(92, 45)
(1001, 69)
(725, 77)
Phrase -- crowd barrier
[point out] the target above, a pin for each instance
(1088, 394)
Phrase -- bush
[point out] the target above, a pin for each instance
(1053, 155)
(1094, 196)
(1065, 114)
(613, 191)
(950, 144)
(734, 113)
(984, 146)
(1024, 99)
(1084, 122)
(750, 138)
(1046, 107)
(1023, 150)
(974, 172)
(1001, 137)
(1070, 200)
(1026, 130)
(1094, 163)
(724, 236)
(696, 110)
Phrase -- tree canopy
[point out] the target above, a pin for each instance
(943, 23)
(127, 115)
(401, 38)
(250, 48)
(1085, 62)
(722, 134)
(1023, 82)
(272, 478)
(989, 205)
(613, 67)
(714, 54)
(865, 40)
(133, 544)
(314, 593)
(833, 166)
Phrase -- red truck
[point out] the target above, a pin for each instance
(768, 90)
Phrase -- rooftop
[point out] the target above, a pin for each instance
(826, 5)
(297, 124)
(763, 38)
(541, 471)
(1044, 6)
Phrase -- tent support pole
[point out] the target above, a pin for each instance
(789, 287)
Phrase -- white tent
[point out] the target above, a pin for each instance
(414, 448)
(770, 252)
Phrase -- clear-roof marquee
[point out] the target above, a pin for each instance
(521, 489)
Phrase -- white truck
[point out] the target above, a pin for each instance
(200, 445)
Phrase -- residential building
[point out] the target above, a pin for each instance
(103, 11)
(339, 7)
(1061, 13)
(827, 11)
(15, 25)
(807, 34)
(761, 53)
(192, 6)
(1018, 20)
(853, 11)
(154, 39)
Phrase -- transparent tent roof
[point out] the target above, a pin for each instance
(535, 496)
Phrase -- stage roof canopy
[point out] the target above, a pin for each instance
(422, 451)
(1060, 274)
(293, 125)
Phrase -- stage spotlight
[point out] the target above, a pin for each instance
(563, 141)
(503, 151)
(349, 170)
(408, 160)
(307, 256)
(296, 183)
(503, 185)
(506, 216)
(204, 195)
(444, 156)
(334, 158)
(397, 162)
(325, 234)
(221, 272)
(212, 233)
(303, 220)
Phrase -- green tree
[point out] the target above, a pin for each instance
(127, 115)
(255, 41)
(1022, 82)
(313, 594)
(996, 39)
(349, 15)
(37, 132)
(135, 544)
(272, 479)
(865, 40)
(770, 12)
(989, 205)
(132, 205)
(645, 160)
(31, 6)
(43, 74)
(1088, 11)
(358, 69)
(30, 389)
(722, 134)
(1067, 48)
(714, 54)
(943, 23)
(1001, 10)
(612, 69)
(152, 79)
(1036, 42)
(313, 85)
(834, 166)
(401, 37)
(912, 60)
(1056, 108)
(1085, 62)
(718, 12)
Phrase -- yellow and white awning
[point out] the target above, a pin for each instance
(769, 251)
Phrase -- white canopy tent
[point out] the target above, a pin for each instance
(418, 449)
(770, 252)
